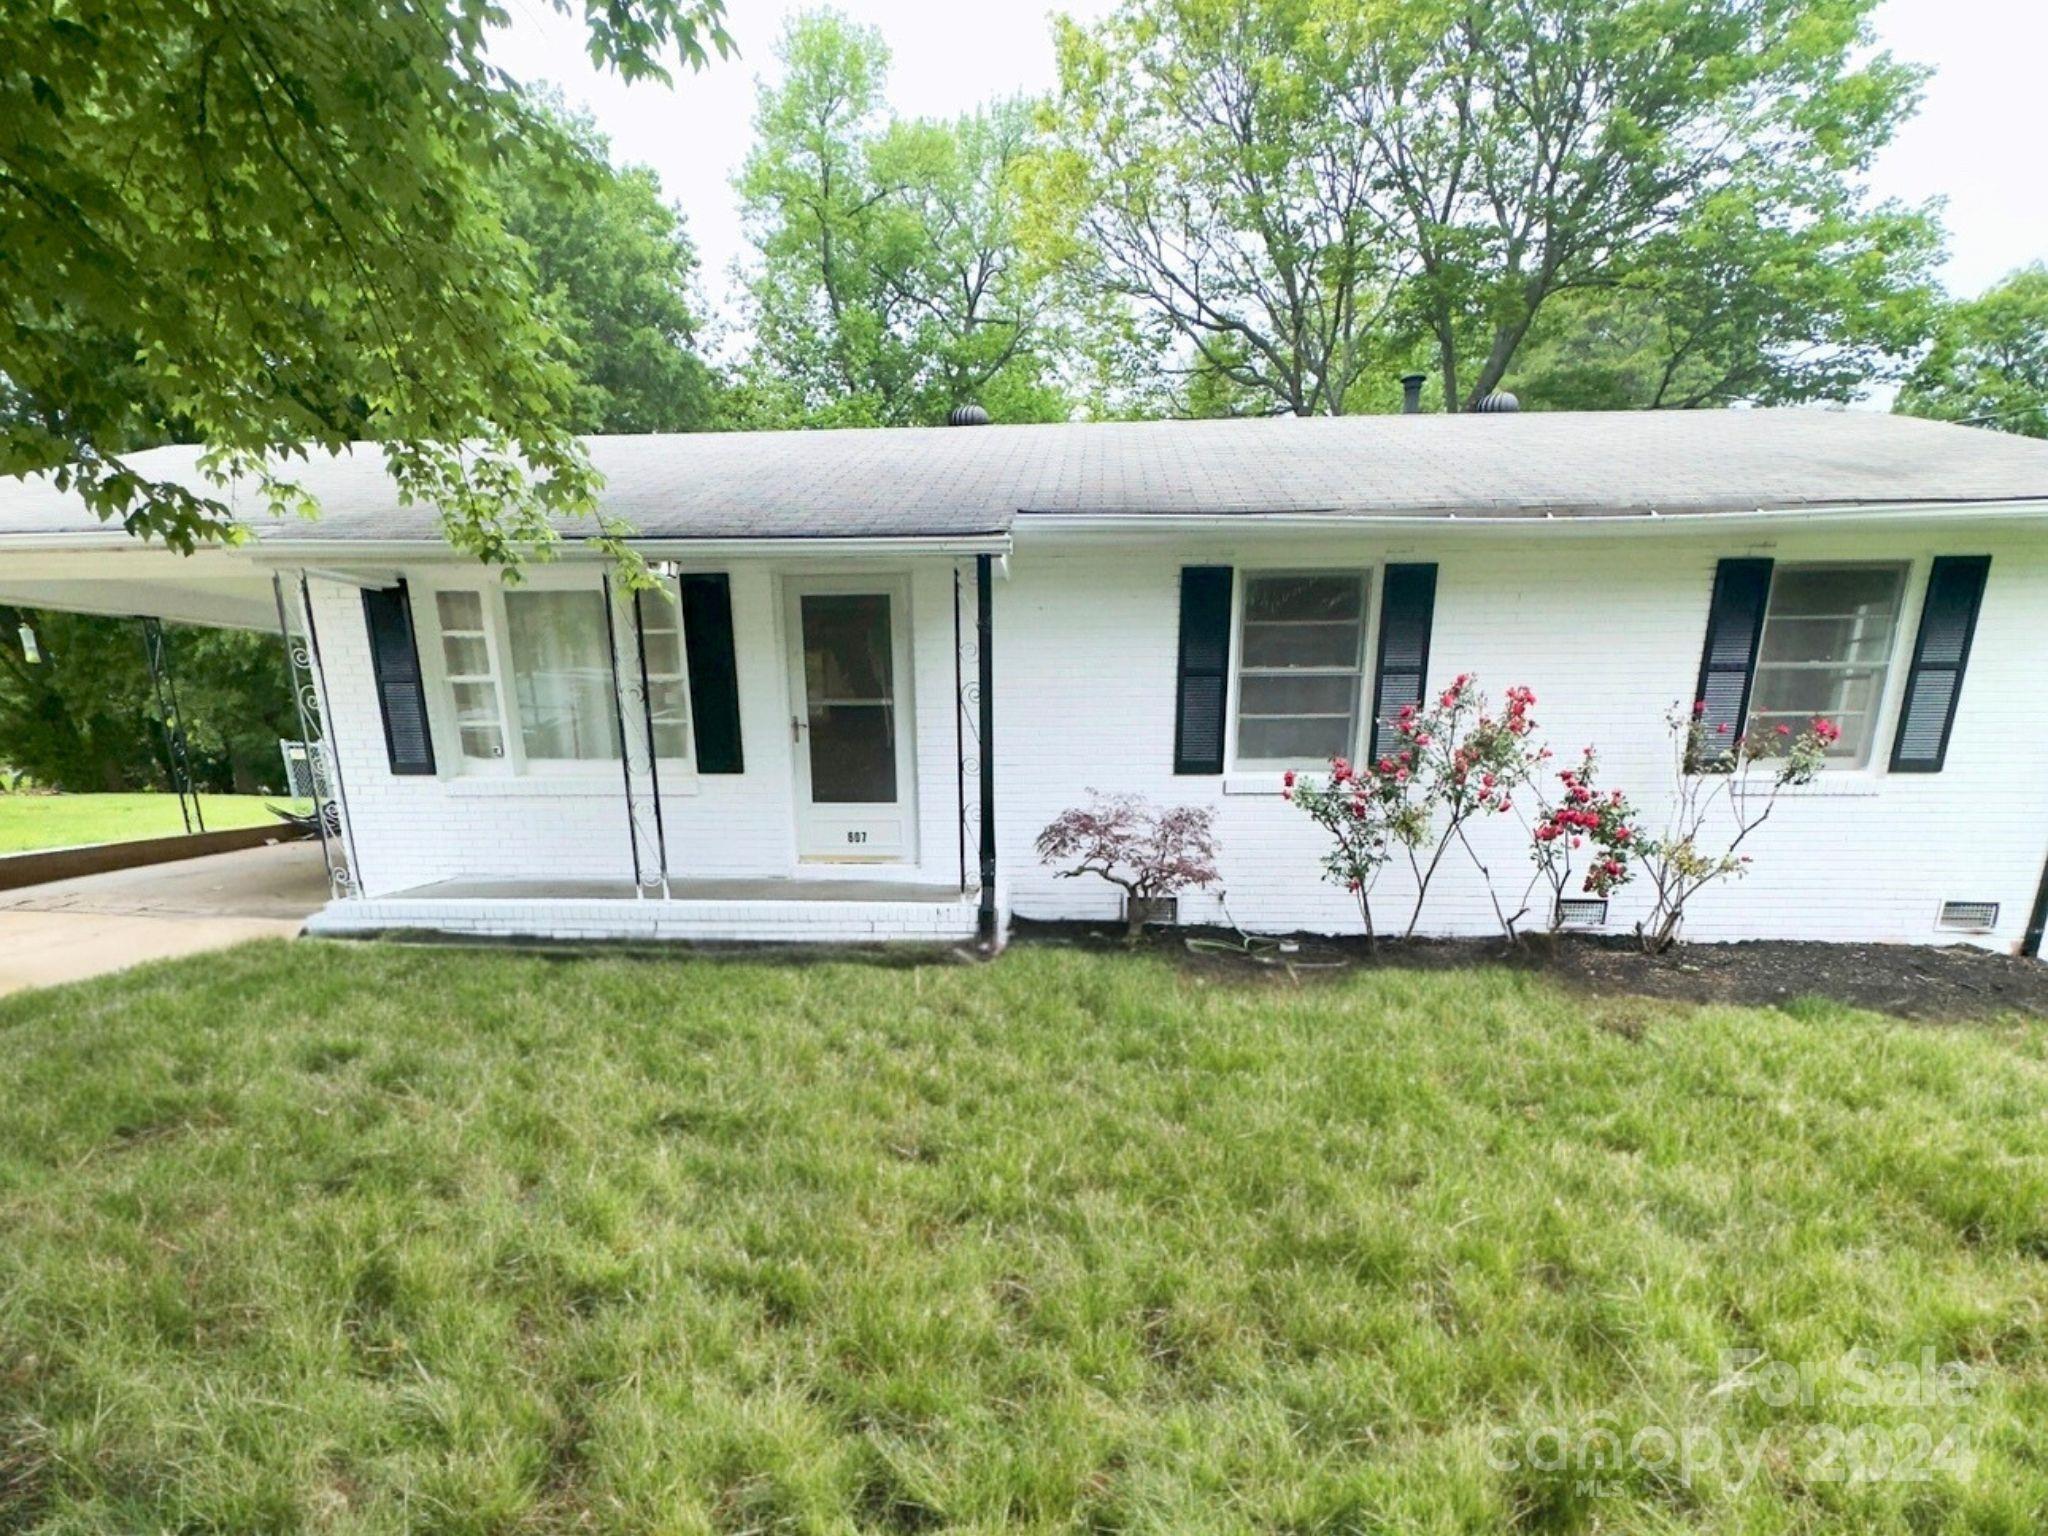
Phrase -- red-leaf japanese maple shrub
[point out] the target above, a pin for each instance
(1145, 851)
(1716, 797)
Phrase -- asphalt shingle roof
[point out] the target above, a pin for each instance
(954, 481)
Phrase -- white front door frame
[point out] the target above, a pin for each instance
(853, 833)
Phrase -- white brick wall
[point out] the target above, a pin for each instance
(1608, 631)
(1606, 628)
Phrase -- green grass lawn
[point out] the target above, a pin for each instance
(370, 1238)
(66, 821)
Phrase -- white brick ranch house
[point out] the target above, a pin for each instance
(794, 747)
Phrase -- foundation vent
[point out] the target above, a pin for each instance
(1582, 912)
(1969, 916)
(1156, 911)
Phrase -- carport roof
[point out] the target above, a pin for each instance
(949, 482)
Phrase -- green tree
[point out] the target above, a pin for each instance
(1728, 308)
(1302, 191)
(890, 285)
(272, 224)
(83, 718)
(1532, 148)
(1201, 168)
(1988, 365)
(614, 267)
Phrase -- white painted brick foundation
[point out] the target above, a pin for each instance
(786, 922)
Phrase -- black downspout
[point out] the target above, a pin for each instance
(985, 658)
(959, 736)
(2030, 946)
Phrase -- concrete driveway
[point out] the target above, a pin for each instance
(71, 929)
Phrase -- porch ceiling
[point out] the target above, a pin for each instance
(123, 578)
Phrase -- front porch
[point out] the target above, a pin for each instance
(733, 911)
(779, 753)
(781, 744)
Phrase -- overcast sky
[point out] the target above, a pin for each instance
(1976, 141)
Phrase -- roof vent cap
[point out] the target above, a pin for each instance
(1499, 403)
(967, 416)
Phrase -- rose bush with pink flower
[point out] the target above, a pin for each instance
(1367, 812)
(1456, 761)
(1582, 816)
(1717, 804)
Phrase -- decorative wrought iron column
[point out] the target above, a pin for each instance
(984, 608)
(639, 755)
(309, 698)
(156, 650)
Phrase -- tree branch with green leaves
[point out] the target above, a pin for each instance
(270, 227)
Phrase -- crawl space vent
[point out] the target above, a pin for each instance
(1161, 911)
(1969, 916)
(1582, 912)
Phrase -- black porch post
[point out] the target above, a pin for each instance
(2030, 946)
(985, 660)
(611, 650)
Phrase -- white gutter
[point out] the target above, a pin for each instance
(1522, 522)
(269, 551)
(272, 552)
(110, 539)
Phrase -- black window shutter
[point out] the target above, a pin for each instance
(714, 674)
(1735, 622)
(1948, 622)
(395, 664)
(1407, 610)
(1204, 669)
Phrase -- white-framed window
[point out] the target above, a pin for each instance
(527, 681)
(668, 676)
(561, 668)
(1829, 634)
(468, 667)
(1300, 667)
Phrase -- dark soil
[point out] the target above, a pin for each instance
(1910, 981)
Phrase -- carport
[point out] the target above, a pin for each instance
(48, 562)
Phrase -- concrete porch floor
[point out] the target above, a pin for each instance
(70, 930)
(761, 910)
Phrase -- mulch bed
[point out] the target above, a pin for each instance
(1909, 981)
